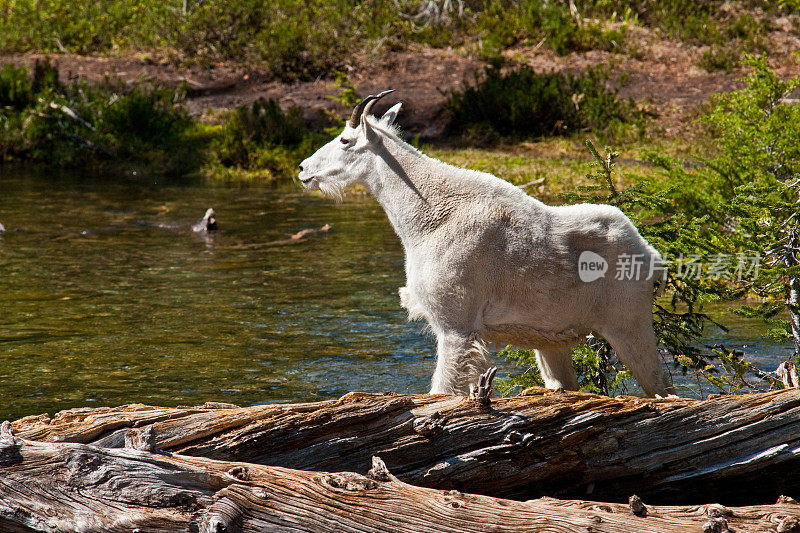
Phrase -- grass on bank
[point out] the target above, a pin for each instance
(306, 39)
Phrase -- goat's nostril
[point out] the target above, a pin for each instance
(301, 168)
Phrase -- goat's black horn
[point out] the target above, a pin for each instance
(355, 118)
(365, 105)
(377, 97)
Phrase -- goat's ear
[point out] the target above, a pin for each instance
(390, 116)
(369, 130)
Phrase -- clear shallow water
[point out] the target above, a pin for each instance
(107, 297)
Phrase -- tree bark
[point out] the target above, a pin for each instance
(67, 487)
(794, 314)
(793, 299)
(731, 449)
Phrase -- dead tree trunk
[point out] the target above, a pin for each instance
(732, 449)
(67, 487)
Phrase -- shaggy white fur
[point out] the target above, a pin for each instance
(487, 262)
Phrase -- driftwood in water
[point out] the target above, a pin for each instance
(66, 487)
(295, 238)
(732, 449)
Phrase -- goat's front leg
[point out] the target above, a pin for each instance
(461, 359)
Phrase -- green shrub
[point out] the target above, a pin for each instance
(263, 138)
(529, 377)
(16, 89)
(46, 121)
(748, 198)
(526, 103)
(145, 115)
(756, 173)
(597, 370)
(264, 124)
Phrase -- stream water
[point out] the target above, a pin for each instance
(107, 297)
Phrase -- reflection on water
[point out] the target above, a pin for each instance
(108, 297)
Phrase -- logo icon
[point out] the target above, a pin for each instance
(591, 266)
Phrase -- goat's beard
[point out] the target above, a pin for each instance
(334, 189)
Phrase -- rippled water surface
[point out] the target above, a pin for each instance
(108, 297)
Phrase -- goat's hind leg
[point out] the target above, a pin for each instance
(555, 366)
(635, 345)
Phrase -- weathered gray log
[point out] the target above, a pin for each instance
(67, 487)
(733, 449)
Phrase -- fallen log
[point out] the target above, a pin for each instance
(732, 449)
(68, 487)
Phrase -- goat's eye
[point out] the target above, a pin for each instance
(344, 141)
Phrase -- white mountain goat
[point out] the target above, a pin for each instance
(486, 262)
